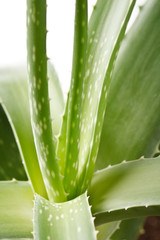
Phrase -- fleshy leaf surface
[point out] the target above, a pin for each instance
(129, 229)
(106, 30)
(131, 127)
(75, 97)
(39, 99)
(14, 98)
(63, 221)
(56, 99)
(17, 108)
(106, 230)
(10, 162)
(61, 141)
(126, 190)
(16, 209)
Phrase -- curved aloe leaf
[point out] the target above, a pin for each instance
(17, 107)
(15, 209)
(39, 99)
(69, 220)
(106, 30)
(128, 229)
(14, 97)
(132, 118)
(106, 230)
(127, 190)
(10, 161)
(56, 100)
(61, 142)
(75, 97)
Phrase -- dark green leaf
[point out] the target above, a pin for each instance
(10, 161)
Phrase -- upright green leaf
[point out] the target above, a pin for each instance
(16, 202)
(56, 100)
(17, 107)
(10, 161)
(14, 98)
(39, 102)
(61, 141)
(106, 30)
(131, 127)
(126, 190)
(75, 97)
(63, 221)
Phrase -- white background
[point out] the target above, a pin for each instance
(60, 23)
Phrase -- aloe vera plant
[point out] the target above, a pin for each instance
(87, 168)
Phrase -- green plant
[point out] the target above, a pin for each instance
(59, 156)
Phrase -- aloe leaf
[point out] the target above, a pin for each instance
(131, 127)
(56, 100)
(75, 97)
(10, 161)
(106, 230)
(106, 31)
(39, 99)
(16, 209)
(17, 238)
(19, 116)
(61, 141)
(126, 190)
(14, 98)
(69, 220)
(128, 229)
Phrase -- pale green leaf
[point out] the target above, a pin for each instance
(63, 221)
(132, 127)
(61, 142)
(39, 99)
(14, 97)
(106, 30)
(15, 209)
(10, 161)
(128, 229)
(106, 230)
(126, 190)
(56, 99)
(75, 97)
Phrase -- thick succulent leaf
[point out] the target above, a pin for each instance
(128, 229)
(75, 97)
(63, 221)
(106, 30)
(14, 97)
(61, 142)
(10, 161)
(17, 106)
(132, 118)
(39, 99)
(15, 209)
(106, 230)
(56, 100)
(127, 190)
